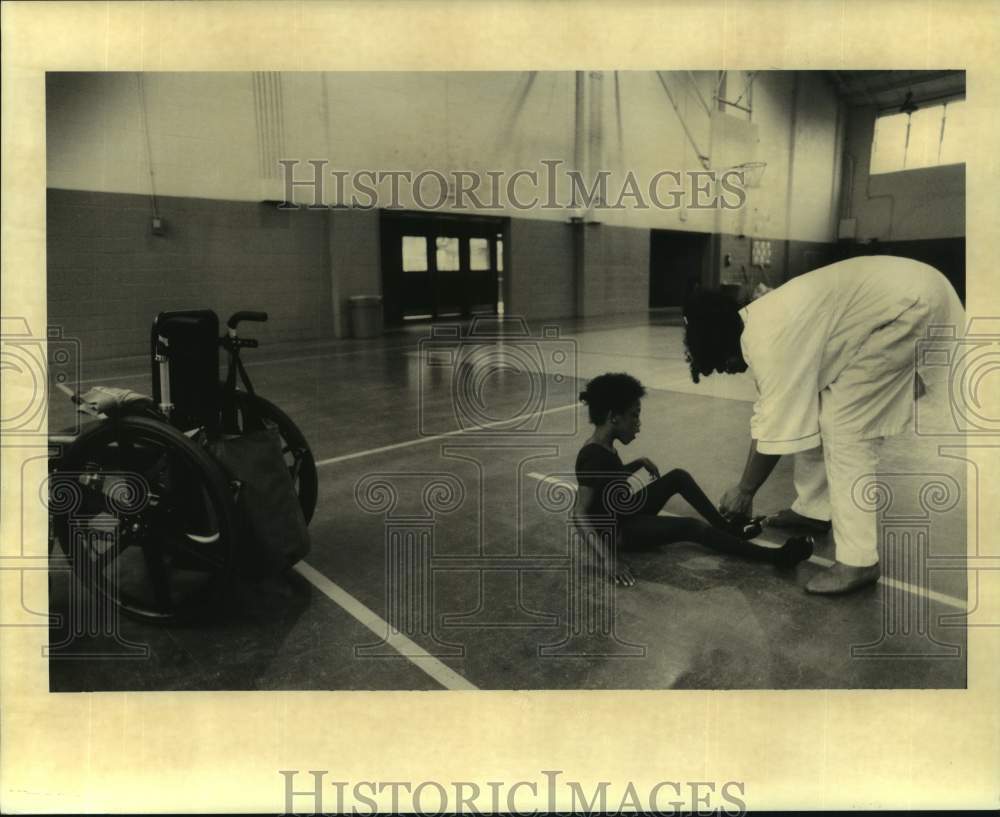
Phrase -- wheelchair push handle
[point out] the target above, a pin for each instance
(231, 341)
(233, 321)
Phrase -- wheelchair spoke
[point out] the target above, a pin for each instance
(154, 531)
(157, 468)
(201, 557)
(127, 457)
(111, 554)
(157, 570)
(99, 559)
(189, 532)
(94, 497)
(125, 451)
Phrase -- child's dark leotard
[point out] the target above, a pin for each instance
(603, 471)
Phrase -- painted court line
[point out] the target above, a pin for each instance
(585, 353)
(441, 673)
(895, 584)
(255, 363)
(407, 443)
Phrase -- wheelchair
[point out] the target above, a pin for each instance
(147, 517)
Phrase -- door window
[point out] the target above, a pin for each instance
(414, 253)
(447, 254)
(479, 254)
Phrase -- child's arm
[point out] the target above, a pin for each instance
(643, 462)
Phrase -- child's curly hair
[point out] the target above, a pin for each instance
(712, 329)
(611, 392)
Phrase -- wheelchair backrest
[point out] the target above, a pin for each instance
(193, 353)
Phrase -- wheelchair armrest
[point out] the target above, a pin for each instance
(114, 402)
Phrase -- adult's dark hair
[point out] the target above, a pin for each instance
(611, 392)
(712, 328)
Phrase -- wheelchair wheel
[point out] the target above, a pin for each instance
(146, 518)
(298, 455)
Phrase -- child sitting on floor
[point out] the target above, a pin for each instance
(605, 501)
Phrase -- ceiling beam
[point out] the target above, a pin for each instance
(871, 83)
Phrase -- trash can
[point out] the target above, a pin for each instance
(366, 316)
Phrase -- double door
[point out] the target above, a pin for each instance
(440, 267)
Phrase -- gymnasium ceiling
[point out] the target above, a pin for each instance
(888, 89)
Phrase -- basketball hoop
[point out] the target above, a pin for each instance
(751, 172)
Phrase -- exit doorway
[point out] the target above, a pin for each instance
(441, 266)
(678, 262)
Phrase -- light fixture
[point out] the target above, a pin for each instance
(909, 106)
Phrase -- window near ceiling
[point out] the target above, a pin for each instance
(930, 136)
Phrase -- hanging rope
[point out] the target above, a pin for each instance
(697, 90)
(618, 119)
(270, 120)
(703, 158)
(746, 90)
(149, 153)
(507, 131)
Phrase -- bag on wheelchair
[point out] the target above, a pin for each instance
(273, 531)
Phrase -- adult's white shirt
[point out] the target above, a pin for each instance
(800, 338)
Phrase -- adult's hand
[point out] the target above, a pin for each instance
(736, 502)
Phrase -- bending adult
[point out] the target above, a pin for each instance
(832, 353)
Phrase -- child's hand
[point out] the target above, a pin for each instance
(650, 466)
(622, 574)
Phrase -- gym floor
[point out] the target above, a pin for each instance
(496, 610)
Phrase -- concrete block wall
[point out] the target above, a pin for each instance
(538, 270)
(615, 270)
(108, 275)
(805, 256)
(355, 262)
(788, 260)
